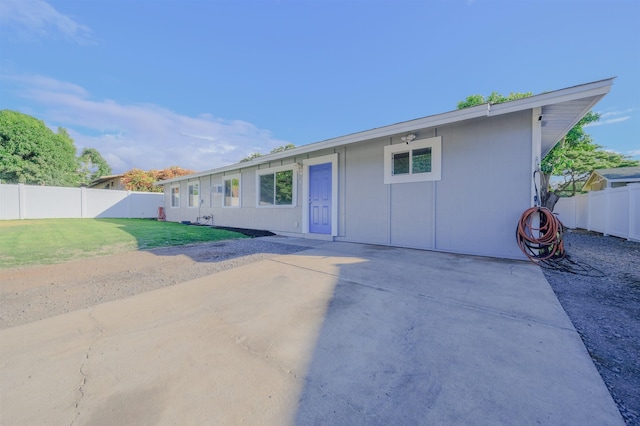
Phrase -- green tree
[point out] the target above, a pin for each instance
(493, 98)
(255, 155)
(251, 156)
(32, 153)
(92, 166)
(576, 156)
(573, 158)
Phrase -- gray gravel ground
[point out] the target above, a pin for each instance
(604, 306)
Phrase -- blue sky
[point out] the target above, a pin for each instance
(201, 84)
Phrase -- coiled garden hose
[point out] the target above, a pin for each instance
(543, 242)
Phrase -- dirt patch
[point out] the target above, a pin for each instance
(34, 293)
(603, 302)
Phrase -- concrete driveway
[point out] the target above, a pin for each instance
(338, 334)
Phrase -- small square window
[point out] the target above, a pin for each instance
(401, 163)
(421, 160)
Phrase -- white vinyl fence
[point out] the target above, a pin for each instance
(612, 211)
(46, 202)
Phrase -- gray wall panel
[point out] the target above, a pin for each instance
(367, 203)
(485, 186)
(412, 210)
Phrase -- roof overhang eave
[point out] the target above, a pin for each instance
(596, 90)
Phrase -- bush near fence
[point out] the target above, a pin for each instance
(51, 202)
(612, 211)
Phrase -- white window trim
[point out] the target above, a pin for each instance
(436, 161)
(229, 177)
(191, 183)
(294, 189)
(171, 196)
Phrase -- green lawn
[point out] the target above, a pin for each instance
(36, 242)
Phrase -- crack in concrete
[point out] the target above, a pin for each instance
(83, 374)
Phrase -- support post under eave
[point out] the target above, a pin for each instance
(536, 154)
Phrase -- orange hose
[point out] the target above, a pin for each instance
(548, 243)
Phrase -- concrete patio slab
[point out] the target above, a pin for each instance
(338, 334)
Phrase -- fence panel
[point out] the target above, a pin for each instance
(598, 211)
(611, 211)
(618, 212)
(40, 202)
(44, 202)
(9, 202)
(113, 204)
(634, 212)
(145, 204)
(565, 208)
(582, 211)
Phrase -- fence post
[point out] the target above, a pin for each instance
(83, 202)
(633, 220)
(22, 200)
(607, 214)
(589, 211)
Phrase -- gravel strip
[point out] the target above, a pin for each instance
(604, 306)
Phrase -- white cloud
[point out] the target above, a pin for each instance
(610, 113)
(38, 18)
(634, 153)
(612, 117)
(144, 136)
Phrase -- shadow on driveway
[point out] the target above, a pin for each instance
(415, 337)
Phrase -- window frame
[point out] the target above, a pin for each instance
(190, 195)
(171, 197)
(273, 171)
(435, 174)
(226, 178)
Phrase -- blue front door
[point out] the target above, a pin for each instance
(320, 199)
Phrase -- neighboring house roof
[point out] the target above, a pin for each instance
(103, 179)
(619, 174)
(561, 110)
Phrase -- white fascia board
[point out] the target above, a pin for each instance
(595, 88)
(398, 128)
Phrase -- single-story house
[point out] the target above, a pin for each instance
(108, 182)
(455, 182)
(612, 178)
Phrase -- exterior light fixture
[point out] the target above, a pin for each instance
(408, 138)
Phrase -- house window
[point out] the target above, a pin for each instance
(276, 187)
(401, 163)
(194, 194)
(231, 186)
(414, 162)
(175, 196)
